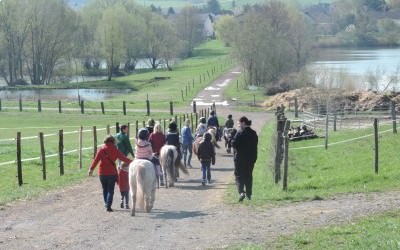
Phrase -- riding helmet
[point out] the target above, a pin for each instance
(172, 126)
(143, 134)
(202, 120)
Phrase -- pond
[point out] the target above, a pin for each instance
(62, 94)
(363, 66)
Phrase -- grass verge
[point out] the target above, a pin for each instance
(317, 173)
(242, 97)
(375, 232)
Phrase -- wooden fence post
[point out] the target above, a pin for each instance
(20, 104)
(19, 160)
(82, 107)
(117, 127)
(194, 107)
(144, 124)
(279, 150)
(94, 141)
(39, 105)
(136, 128)
(334, 121)
(191, 121)
(286, 155)
(61, 151)
(393, 104)
(186, 91)
(102, 107)
(42, 155)
(171, 108)
(196, 119)
(296, 108)
(193, 83)
(59, 106)
(326, 130)
(124, 107)
(164, 125)
(80, 147)
(0, 104)
(148, 107)
(376, 146)
(183, 99)
(108, 129)
(129, 130)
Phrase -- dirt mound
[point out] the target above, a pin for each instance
(313, 98)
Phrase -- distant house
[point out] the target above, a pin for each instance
(208, 22)
(321, 16)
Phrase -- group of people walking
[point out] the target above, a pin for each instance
(150, 141)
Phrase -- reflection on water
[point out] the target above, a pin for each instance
(360, 64)
(62, 94)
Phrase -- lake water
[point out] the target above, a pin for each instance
(360, 66)
(62, 94)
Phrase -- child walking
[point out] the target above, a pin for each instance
(123, 183)
(206, 156)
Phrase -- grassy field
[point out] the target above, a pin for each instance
(209, 57)
(319, 174)
(375, 232)
(30, 124)
(246, 99)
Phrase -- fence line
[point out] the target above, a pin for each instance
(54, 134)
(47, 156)
(341, 142)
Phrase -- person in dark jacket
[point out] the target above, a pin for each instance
(229, 123)
(245, 155)
(172, 138)
(187, 142)
(212, 120)
(206, 156)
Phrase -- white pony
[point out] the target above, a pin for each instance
(142, 181)
(170, 165)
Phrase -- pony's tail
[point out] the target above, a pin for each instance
(183, 168)
(141, 175)
(170, 158)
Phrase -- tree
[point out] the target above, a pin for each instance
(213, 6)
(14, 27)
(269, 37)
(189, 29)
(51, 25)
(225, 29)
(171, 11)
(110, 37)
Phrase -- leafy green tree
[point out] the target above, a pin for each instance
(213, 6)
(189, 29)
(225, 29)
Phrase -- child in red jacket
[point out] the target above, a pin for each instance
(123, 183)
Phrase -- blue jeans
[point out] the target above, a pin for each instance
(108, 184)
(206, 169)
(187, 148)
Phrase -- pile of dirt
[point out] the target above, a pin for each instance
(314, 98)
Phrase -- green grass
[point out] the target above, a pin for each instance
(30, 124)
(375, 232)
(208, 56)
(319, 174)
(242, 97)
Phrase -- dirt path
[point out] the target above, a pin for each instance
(189, 216)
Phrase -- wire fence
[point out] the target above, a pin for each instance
(321, 124)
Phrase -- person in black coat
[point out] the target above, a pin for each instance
(245, 144)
